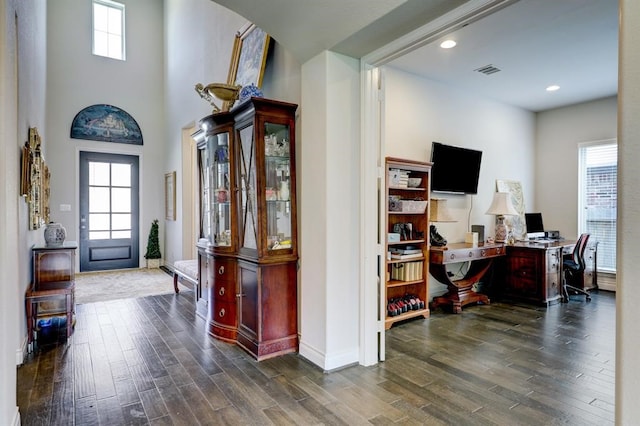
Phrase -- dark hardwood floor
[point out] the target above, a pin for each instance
(149, 361)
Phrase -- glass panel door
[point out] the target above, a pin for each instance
(206, 167)
(108, 211)
(248, 201)
(221, 189)
(278, 185)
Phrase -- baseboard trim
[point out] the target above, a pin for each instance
(328, 363)
(21, 352)
(311, 354)
(16, 418)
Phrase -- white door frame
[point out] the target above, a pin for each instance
(372, 151)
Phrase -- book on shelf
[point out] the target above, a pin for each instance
(398, 178)
(406, 251)
(406, 256)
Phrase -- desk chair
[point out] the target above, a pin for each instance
(573, 268)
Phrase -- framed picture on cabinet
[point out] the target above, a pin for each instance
(170, 196)
(249, 56)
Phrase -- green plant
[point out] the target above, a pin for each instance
(153, 244)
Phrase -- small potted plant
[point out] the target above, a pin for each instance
(153, 254)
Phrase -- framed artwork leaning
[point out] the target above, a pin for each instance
(249, 56)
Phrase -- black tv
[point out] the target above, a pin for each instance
(455, 170)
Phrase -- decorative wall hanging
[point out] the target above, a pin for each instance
(106, 123)
(35, 181)
(515, 223)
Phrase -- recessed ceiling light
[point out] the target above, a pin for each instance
(553, 88)
(448, 44)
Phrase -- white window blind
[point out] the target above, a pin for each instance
(598, 163)
(108, 29)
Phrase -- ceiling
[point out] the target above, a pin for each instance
(534, 43)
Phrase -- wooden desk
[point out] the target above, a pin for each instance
(534, 271)
(461, 290)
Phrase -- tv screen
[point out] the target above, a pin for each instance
(455, 169)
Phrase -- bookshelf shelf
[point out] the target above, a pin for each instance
(407, 279)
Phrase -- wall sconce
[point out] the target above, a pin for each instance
(501, 206)
(438, 212)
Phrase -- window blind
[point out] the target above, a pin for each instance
(598, 199)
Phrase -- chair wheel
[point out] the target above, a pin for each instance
(588, 299)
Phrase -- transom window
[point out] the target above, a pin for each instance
(108, 29)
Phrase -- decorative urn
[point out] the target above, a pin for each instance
(54, 234)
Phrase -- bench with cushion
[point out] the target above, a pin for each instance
(185, 270)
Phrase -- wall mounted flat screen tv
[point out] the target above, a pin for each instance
(455, 170)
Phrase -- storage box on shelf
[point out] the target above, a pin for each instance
(407, 223)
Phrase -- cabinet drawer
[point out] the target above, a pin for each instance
(553, 286)
(224, 290)
(224, 269)
(553, 261)
(224, 313)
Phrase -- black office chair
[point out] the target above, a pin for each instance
(573, 267)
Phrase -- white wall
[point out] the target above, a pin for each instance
(330, 216)
(628, 263)
(22, 83)
(419, 111)
(77, 79)
(558, 133)
(199, 42)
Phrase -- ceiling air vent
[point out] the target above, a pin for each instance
(488, 69)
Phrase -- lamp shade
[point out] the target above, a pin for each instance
(438, 211)
(501, 205)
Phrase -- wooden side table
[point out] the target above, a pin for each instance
(461, 291)
(59, 290)
(53, 280)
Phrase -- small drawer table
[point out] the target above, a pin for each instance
(53, 280)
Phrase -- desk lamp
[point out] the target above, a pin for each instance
(438, 212)
(501, 206)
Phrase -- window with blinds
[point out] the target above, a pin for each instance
(598, 165)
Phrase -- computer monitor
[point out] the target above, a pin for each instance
(535, 228)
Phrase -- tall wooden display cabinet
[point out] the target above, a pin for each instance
(248, 220)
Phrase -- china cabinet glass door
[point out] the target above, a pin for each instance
(248, 208)
(277, 186)
(220, 190)
(206, 168)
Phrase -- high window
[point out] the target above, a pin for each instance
(108, 29)
(598, 165)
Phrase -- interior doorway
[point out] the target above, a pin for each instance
(190, 199)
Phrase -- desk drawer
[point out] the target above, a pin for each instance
(474, 253)
(522, 277)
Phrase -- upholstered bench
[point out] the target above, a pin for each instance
(186, 270)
